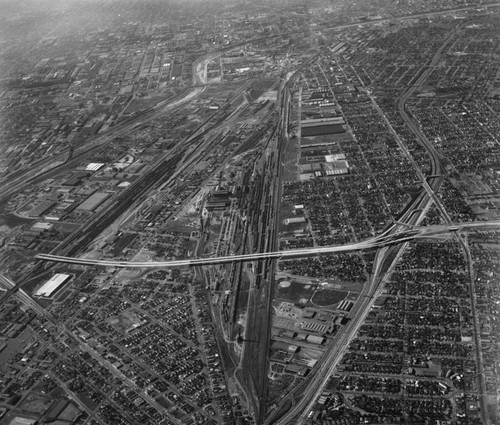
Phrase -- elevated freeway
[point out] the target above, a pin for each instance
(380, 241)
(389, 246)
(392, 244)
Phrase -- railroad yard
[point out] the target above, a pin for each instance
(255, 219)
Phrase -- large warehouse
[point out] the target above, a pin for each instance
(93, 201)
(52, 285)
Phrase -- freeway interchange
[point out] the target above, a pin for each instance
(390, 246)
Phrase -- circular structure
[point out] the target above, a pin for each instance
(143, 256)
(285, 284)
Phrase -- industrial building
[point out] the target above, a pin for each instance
(42, 208)
(52, 285)
(93, 201)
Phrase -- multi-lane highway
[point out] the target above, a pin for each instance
(340, 343)
(47, 166)
(380, 241)
(414, 126)
(386, 257)
(389, 244)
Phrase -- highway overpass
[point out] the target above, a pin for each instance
(380, 241)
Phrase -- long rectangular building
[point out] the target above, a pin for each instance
(93, 201)
(52, 285)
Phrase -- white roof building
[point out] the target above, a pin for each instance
(52, 285)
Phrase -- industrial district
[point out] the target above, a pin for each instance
(266, 212)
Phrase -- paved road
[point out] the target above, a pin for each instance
(376, 242)
(386, 257)
(52, 165)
